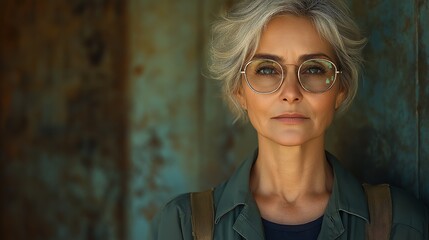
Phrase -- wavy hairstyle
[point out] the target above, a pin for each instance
(237, 32)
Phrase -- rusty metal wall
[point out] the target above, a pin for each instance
(63, 131)
(105, 112)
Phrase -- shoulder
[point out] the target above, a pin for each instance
(173, 220)
(179, 205)
(410, 215)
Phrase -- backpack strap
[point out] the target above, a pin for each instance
(380, 211)
(202, 215)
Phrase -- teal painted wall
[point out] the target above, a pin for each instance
(164, 117)
(181, 136)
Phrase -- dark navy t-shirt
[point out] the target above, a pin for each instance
(307, 231)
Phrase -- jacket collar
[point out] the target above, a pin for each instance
(348, 191)
(347, 196)
(236, 190)
(236, 196)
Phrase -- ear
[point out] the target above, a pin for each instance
(239, 95)
(340, 98)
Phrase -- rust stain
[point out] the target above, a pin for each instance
(154, 142)
(95, 48)
(138, 70)
(407, 25)
(149, 210)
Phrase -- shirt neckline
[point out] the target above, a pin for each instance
(295, 228)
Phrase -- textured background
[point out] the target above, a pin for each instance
(105, 112)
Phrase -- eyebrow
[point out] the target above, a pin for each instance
(282, 60)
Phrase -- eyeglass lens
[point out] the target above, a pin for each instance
(314, 75)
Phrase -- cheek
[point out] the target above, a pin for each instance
(325, 110)
(257, 109)
(252, 100)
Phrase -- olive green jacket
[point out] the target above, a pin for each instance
(237, 215)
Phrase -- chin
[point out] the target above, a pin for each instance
(290, 141)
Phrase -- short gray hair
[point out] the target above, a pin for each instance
(236, 36)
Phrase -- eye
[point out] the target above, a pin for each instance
(313, 70)
(266, 71)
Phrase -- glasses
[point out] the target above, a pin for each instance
(265, 76)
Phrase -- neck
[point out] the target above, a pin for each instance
(291, 173)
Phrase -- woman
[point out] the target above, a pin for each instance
(289, 66)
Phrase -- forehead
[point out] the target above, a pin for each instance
(290, 36)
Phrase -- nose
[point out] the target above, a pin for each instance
(291, 90)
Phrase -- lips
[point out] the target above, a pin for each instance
(292, 118)
(291, 115)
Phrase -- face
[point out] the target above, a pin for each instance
(291, 116)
